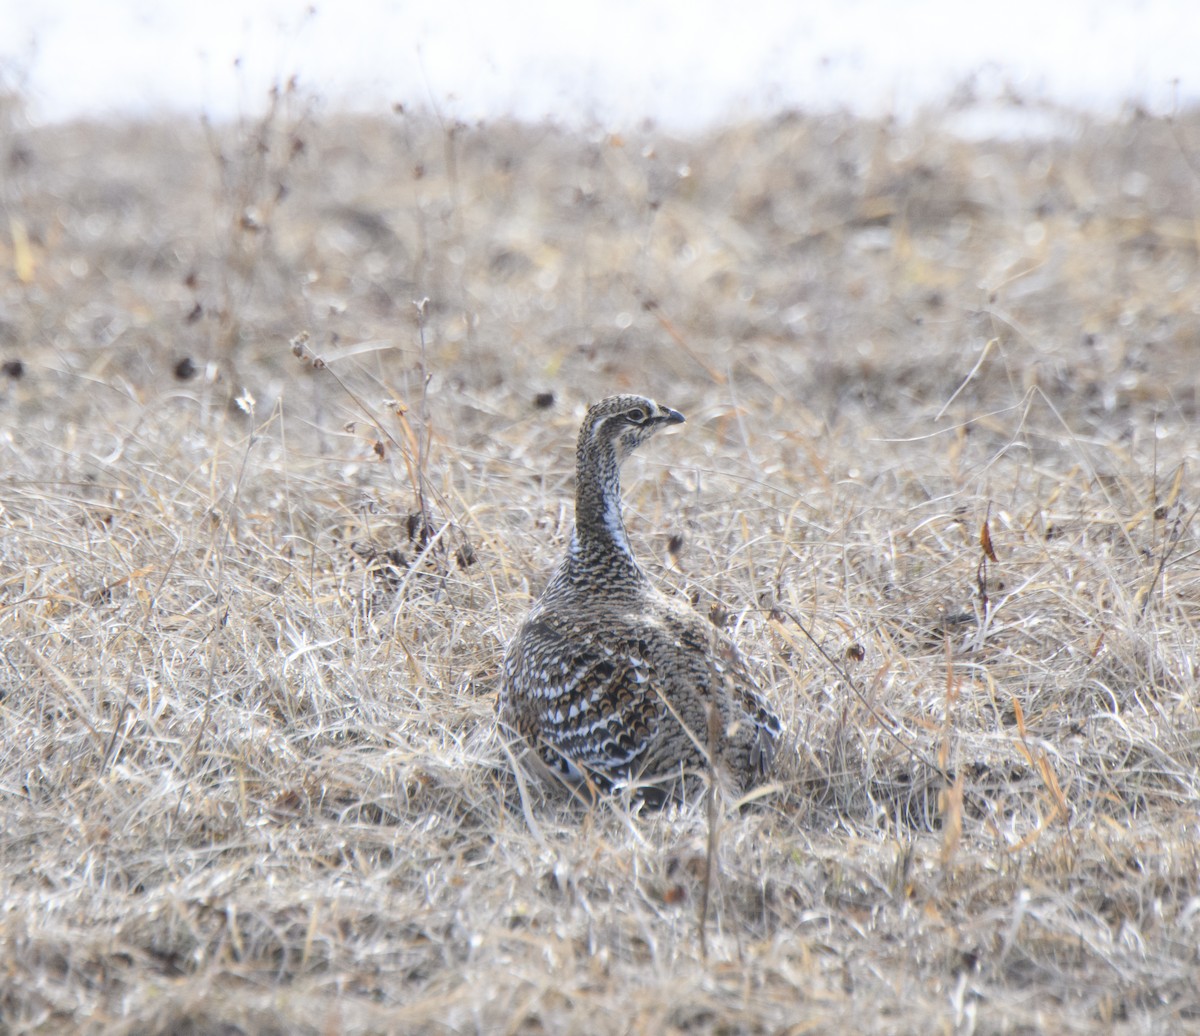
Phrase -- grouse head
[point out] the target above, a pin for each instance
(623, 423)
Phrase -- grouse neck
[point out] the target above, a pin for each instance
(600, 538)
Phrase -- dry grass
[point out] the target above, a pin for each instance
(248, 775)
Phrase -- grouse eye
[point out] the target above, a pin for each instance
(638, 415)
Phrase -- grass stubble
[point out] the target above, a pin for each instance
(288, 417)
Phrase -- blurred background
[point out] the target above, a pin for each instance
(686, 65)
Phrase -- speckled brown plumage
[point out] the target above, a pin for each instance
(611, 680)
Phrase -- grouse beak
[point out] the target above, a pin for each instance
(666, 415)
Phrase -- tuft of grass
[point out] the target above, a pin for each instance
(936, 478)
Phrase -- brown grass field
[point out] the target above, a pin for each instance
(252, 604)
